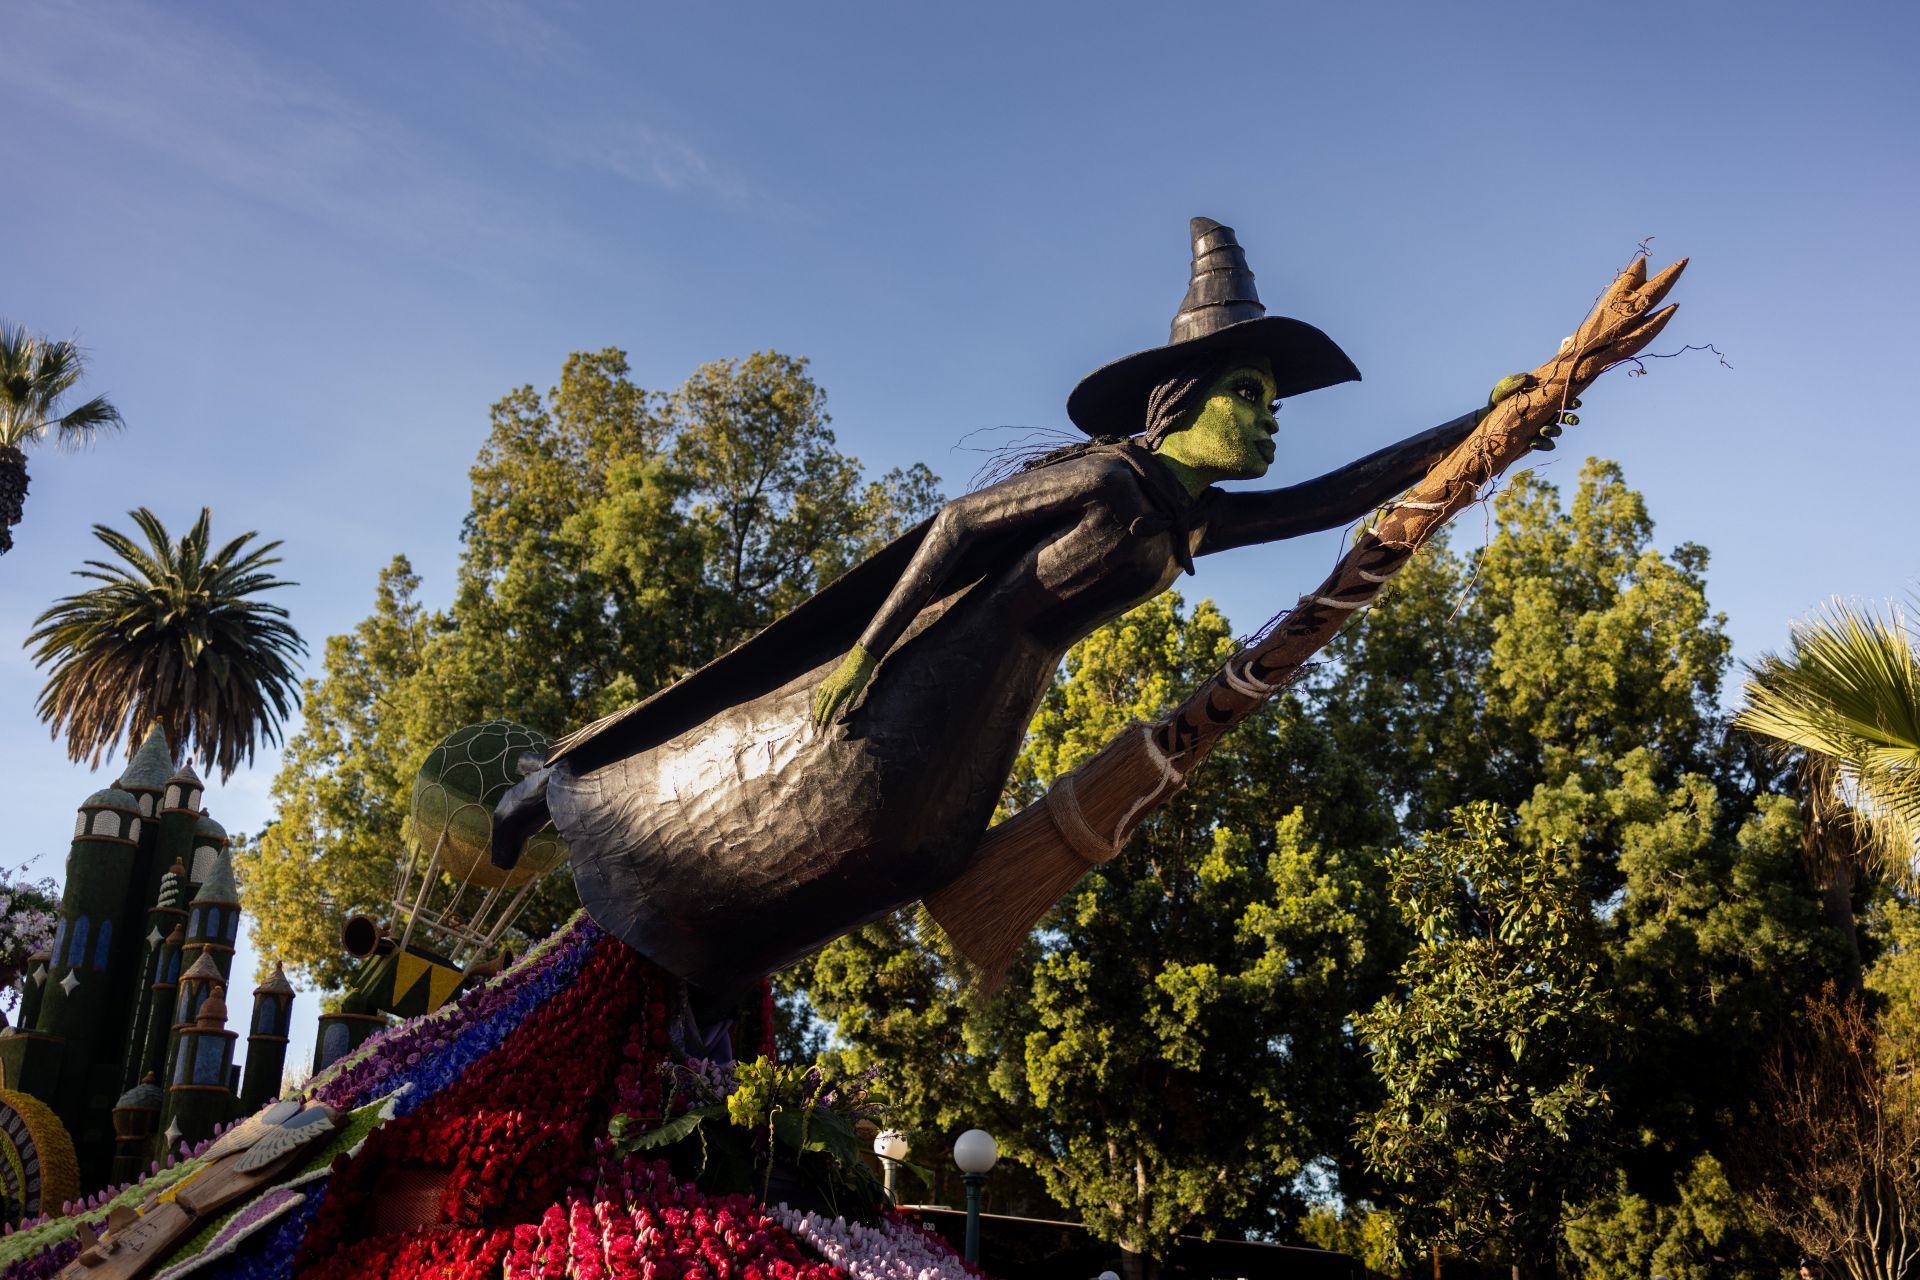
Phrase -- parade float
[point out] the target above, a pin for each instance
(609, 1104)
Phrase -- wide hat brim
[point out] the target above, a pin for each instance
(1112, 399)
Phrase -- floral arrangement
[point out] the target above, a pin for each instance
(731, 1126)
(29, 913)
(895, 1249)
(513, 1141)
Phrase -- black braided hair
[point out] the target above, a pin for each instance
(1177, 397)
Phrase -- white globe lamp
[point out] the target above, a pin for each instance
(891, 1146)
(975, 1152)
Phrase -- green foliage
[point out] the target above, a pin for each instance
(617, 538)
(1493, 1114)
(1368, 1235)
(1697, 1230)
(1572, 674)
(35, 375)
(174, 635)
(1848, 690)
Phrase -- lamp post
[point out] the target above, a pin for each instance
(974, 1151)
(891, 1146)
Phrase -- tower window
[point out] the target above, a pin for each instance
(202, 864)
(333, 1043)
(193, 923)
(133, 829)
(173, 795)
(173, 967)
(77, 948)
(106, 823)
(103, 945)
(146, 805)
(213, 922)
(233, 927)
(80, 823)
(210, 1060)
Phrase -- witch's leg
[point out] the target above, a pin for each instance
(520, 813)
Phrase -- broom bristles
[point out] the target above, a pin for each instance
(1025, 865)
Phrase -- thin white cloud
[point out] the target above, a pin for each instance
(159, 85)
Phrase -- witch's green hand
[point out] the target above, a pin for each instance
(844, 685)
(1520, 382)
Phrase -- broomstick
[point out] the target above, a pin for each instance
(1028, 863)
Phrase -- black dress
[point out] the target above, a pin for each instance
(723, 834)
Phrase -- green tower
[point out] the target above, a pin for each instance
(125, 995)
(87, 997)
(267, 1041)
(135, 1117)
(200, 1097)
(154, 1001)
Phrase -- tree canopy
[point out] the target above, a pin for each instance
(617, 538)
(174, 635)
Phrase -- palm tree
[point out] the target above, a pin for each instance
(1846, 699)
(34, 375)
(172, 638)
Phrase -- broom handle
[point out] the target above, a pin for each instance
(1621, 324)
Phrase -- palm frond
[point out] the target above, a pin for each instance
(79, 425)
(1848, 689)
(170, 636)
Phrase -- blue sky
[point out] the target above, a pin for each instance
(307, 247)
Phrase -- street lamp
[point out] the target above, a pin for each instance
(974, 1151)
(891, 1146)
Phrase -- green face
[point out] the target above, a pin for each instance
(1230, 436)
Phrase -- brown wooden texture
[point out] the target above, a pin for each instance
(1027, 863)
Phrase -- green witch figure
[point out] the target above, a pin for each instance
(846, 760)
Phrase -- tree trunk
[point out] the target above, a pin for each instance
(13, 493)
(1836, 904)
(1137, 1266)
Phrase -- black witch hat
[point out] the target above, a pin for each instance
(1220, 315)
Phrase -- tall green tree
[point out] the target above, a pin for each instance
(1174, 1051)
(617, 538)
(174, 635)
(1571, 672)
(1495, 1116)
(35, 376)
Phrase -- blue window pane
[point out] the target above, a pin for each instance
(77, 951)
(180, 1065)
(233, 926)
(173, 967)
(193, 923)
(213, 922)
(210, 1060)
(183, 1012)
(104, 945)
(333, 1045)
(59, 936)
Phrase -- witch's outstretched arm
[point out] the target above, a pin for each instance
(1239, 519)
(1340, 497)
(1031, 498)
